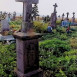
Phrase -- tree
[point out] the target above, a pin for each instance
(46, 19)
(35, 11)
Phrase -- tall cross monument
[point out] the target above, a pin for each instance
(53, 17)
(73, 18)
(27, 47)
(67, 15)
(63, 16)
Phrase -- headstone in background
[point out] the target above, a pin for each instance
(54, 17)
(65, 23)
(0, 12)
(2, 17)
(14, 16)
(63, 16)
(73, 18)
(67, 16)
(9, 17)
(5, 24)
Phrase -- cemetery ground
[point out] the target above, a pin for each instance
(58, 52)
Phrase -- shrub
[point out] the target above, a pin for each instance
(60, 29)
(40, 27)
(57, 46)
(58, 22)
(73, 42)
(7, 60)
(17, 22)
(63, 37)
(65, 65)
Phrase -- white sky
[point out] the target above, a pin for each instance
(45, 6)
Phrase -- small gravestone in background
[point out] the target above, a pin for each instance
(65, 23)
(53, 17)
(59, 17)
(73, 18)
(5, 24)
(63, 16)
(14, 16)
(9, 17)
(67, 16)
(27, 45)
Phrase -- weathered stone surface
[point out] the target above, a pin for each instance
(29, 1)
(27, 51)
(4, 25)
(35, 73)
(53, 20)
(73, 18)
(63, 16)
(53, 17)
(67, 15)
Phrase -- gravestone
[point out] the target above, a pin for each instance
(9, 17)
(65, 23)
(73, 18)
(27, 45)
(14, 16)
(67, 16)
(53, 17)
(5, 24)
(63, 16)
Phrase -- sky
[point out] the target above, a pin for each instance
(45, 7)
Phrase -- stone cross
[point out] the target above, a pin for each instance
(73, 18)
(14, 16)
(63, 16)
(27, 10)
(27, 45)
(9, 15)
(67, 15)
(53, 17)
(55, 7)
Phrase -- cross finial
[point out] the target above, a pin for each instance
(55, 8)
(55, 5)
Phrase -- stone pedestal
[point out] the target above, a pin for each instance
(27, 54)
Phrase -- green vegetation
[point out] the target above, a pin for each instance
(7, 60)
(58, 52)
(40, 27)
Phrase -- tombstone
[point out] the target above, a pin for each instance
(54, 17)
(73, 18)
(0, 12)
(59, 17)
(67, 15)
(65, 23)
(9, 17)
(63, 16)
(5, 24)
(14, 16)
(27, 45)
